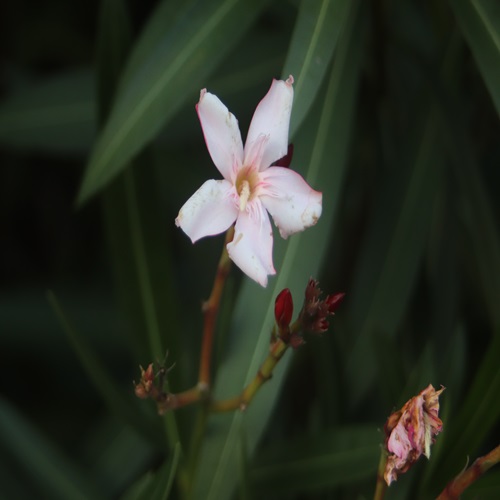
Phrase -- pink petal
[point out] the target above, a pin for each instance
(252, 246)
(211, 210)
(293, 204)
(398, 442)
(272, 120)
(221, 132)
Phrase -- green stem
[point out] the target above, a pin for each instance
(276, 352)
(381, 486)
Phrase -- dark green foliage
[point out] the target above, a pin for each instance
(396, 121)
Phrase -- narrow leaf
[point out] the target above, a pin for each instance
(55, 473)
(480, 23)
(57, 114)
(329, 459)
(249, 343)
(114, 397)
(314, 40)
(171, 72)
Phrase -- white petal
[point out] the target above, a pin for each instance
(293, 204)
(222, 134)
(252, 246)
(211, 210)
(272, 120)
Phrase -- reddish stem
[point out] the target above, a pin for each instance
(458, 485)
(210, 311)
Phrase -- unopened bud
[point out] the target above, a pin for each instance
(283, 309)
(333, 301)
(315, 312)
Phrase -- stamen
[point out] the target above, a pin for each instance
(244, 194)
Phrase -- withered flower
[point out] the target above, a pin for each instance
(411, 431)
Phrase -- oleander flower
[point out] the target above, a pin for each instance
(411, 431)
(251, 186)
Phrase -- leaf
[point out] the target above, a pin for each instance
(171, 71)
(311, 49)
(159, 485)
(248, 345)
(54, 472)
(480, 24)
(311, 463)
(56, 114)
(113, 45)
(474, 204)
(475, 417)
(114, 397)
(392, 252)
(131, 216)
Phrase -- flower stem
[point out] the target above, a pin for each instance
(458, 485)
(381, 486)
(276, 351)
(210, 310)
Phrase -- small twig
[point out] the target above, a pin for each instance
(210, 310)
(458, 485)
(276, 351)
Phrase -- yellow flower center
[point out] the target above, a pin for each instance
(246, 182)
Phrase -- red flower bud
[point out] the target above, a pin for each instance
(333, 301)
(283, 309)
(286, 160)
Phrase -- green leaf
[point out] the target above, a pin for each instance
(159, 485)
(57, 114)
(121, 405)
(475, 417)
(311, 49)
(311, 463)
(474, 206)
(392, 252)
(140, 257)
(248, 345)
(172, 70)
(54, 472)
(139, 251)
(479, 21)
(114, 41)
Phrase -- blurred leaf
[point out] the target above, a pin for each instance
(311, 49)
(312, 463)
(472, 200)
(115, 454)
(55, 473)
(480, 23)
(56, 115)
(140, 257)
(475, 417)
(170, 73)
(159, 485)
(248, 345)
(131, 243)
(476, 213)
(113, 45)
(392, 251)
(121, 405)
(390, 369)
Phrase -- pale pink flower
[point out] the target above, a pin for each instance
(411, 431)
(251, 186)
